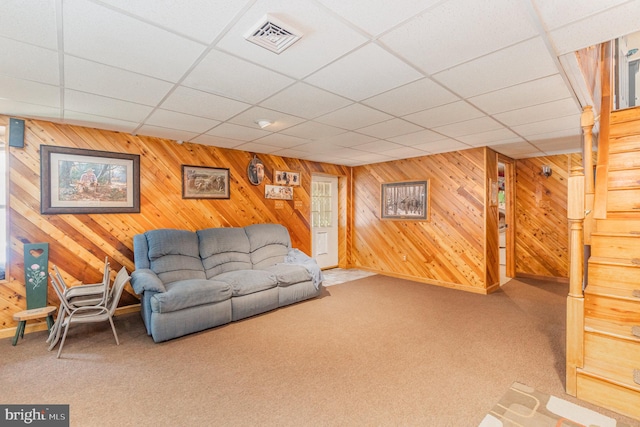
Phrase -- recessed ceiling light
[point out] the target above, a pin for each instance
(263, 123)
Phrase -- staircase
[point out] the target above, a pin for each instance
(608, 373)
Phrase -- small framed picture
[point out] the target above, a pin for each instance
(405, 200)
(278, 192)
(201, 182)
(286, 178)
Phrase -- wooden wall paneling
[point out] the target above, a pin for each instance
(79, 243)
(542, 245)
(449, 249)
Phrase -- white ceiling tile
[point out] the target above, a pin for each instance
(501, 136)
(313, 130)
(372, 70)
(25, 61)
(282, 141)
(591, 31)
(166, 133)
(257, 147)
(180, 121)
(377, 16)
(237, 132)
(306, 101)
(390, 128)
(22, 109)
(479, 125)
(537, 113)
(556, 13)
(517, 150)
(560, 143)
(348, 139)
(519, 63)
(353, 117)
(460, 30)
(378, 146)
(555, 134)
(29, 92)
(100, 34)
(412, 97)
(371, 157)
(422, 137)
(203, 104)
(202, 20)
(98, 122)
(279, 120)
(404, 153)
(536, 92)
(444, 115)
(32, 21)
(441, 146)
(324, 38)
(561, 123)
(222, 74)
(103, 106)
(103, 80)
(217, 141)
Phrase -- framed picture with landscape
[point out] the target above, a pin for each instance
(201, 182)
(80, 181)
(405, 200)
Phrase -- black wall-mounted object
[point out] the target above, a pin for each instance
(16, 133)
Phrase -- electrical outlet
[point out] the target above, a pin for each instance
(404, 257)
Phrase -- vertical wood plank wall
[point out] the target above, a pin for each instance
(542, 233)
(449, 249)
(79, 243)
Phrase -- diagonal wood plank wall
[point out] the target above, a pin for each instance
(448, 250)
(457, 248)
(542, 231)
(79, 243)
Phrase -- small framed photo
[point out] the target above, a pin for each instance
(201, 182)
(286, 178)
(80, 181)
(278, 192)
(405, 200)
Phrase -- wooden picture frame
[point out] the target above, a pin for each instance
(287, 178)
(203, 182)
(80, 181)
(408, 200)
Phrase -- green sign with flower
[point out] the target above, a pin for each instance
(36, 274)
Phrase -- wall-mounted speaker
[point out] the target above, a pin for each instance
(16, 133)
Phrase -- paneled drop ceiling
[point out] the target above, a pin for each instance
(369, 80)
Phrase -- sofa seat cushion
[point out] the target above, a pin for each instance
(289, 274)
(189, 293)
(245, 282)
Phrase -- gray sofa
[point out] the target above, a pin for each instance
(190, 281)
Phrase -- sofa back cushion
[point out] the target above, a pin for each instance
(173, 254)
(269, 243)
(224, 249)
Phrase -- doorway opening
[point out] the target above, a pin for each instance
(506, 236)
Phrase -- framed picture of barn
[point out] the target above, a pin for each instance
(405, 200)
(201, 182)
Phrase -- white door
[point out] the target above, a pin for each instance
(324, 220)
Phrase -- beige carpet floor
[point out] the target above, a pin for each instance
(377, 351)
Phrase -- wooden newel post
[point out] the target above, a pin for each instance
(575, 300)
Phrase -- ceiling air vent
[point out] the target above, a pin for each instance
(272, 34)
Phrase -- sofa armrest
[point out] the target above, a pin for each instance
(146, 280)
